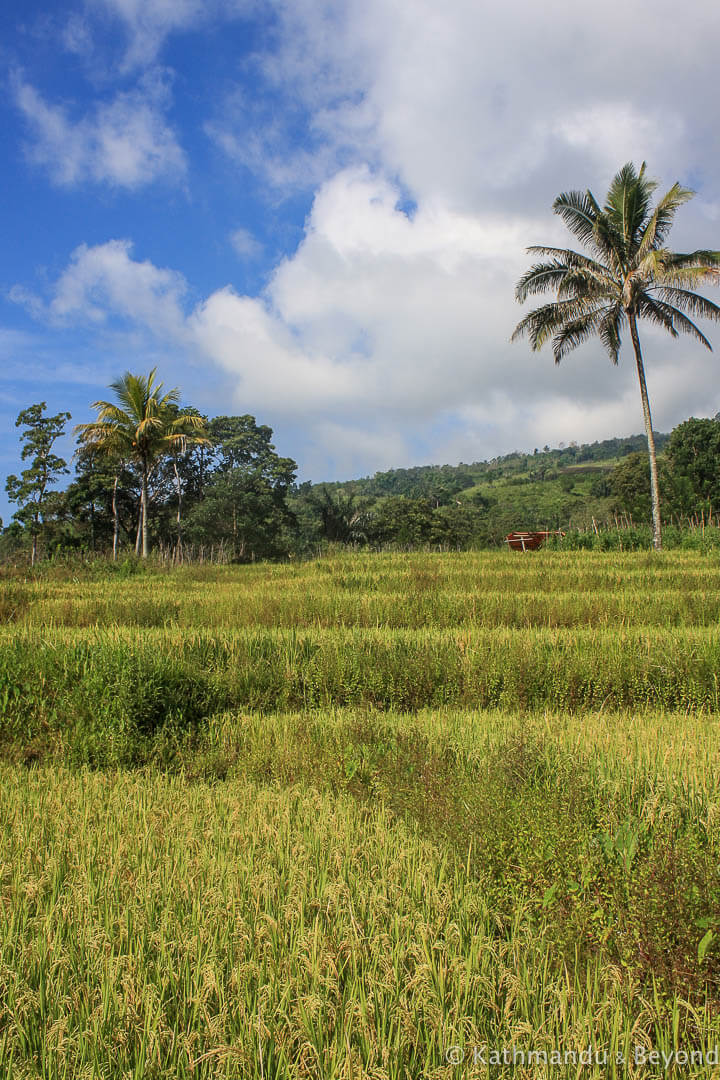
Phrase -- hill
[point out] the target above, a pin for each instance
(548, 488)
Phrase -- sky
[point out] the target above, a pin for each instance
(315, 211)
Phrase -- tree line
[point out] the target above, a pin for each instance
(152, 473)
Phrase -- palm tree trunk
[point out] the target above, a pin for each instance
(144, 500)
(116, 520)
(138, 533)
(178, 487)
(654, 486)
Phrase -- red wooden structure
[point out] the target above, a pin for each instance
(530, 541)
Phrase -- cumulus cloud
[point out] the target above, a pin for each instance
(385, 337)
(475, 118)
(481, 106)
(125, 142)
(105, 282)
(611, 132)
(434, 139)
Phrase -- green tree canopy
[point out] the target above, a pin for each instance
(693, 456)
(244, 504)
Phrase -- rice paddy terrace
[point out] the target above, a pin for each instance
(362, 817)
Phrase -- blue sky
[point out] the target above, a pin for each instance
(316, 211)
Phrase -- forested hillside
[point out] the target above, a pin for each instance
(566, 487)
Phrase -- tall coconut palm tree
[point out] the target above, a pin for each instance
(141, 428)
(626, 274)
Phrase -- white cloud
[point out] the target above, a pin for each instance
(612, 132)
(477, 105)
(478, 117)
(345, 450)
(385, 337)
(124, 142)
(245, 244)
(149, 22)
(272, 369)
(104, 281)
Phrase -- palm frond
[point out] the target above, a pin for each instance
(106, 436)
(652, 267)
(186, 430)
(133, 392)
(574, 332)
(610, 331)
(585, 284)
(189, 423)
(692, 268)
(112, 414)
(96, 432)
(700, 258)
(656, 312)
(542, 323)
(572, 259)
(609, 242)
(171, 398)
(579, 211)
(176, 440)
(660, 222)
(151, 423)
(627, 205)
(689, 301)
(674, 320)
(540, 278)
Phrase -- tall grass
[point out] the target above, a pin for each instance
(161, 928)
(104, 693)
(331, 819)
(420, 591)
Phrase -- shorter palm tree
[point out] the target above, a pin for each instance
(627, 274)
(142, 427)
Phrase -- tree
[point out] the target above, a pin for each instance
(343, 516)
(629, 485)
(102, 496)
(141, 428)
(180, 476)
(30, 490)
(400, 520)
(244, 503)
(693, 456)
(628, 274)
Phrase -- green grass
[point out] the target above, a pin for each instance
(327, 820)
(103, 696)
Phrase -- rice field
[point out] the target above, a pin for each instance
(369, 816)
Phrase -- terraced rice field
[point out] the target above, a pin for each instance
(363, 817)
